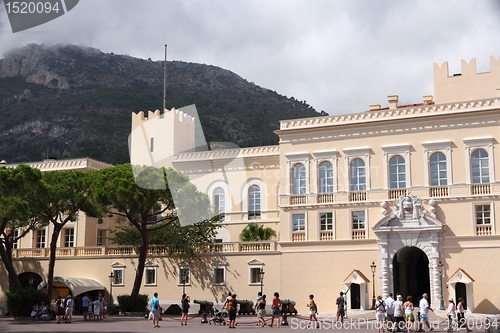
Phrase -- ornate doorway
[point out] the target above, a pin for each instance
(410, 248)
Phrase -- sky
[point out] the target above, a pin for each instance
(339, 56)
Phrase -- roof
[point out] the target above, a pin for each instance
(460, 276)
(353, 277)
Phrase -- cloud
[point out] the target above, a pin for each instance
(339, 56)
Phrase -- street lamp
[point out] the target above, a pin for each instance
(111, 279)
(261, 275)
(373, 268)
(440, 269)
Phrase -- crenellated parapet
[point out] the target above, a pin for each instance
(173, 115)
(467, 85)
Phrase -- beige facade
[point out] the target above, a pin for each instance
(413, 189)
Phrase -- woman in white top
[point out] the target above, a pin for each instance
(408, 306)
(461, 314)
(451, 314)
(380, 313)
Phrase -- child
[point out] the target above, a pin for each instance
(313, 310)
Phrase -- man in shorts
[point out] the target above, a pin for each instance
(155, 307)
(424, 311)
(231, 308)
(69, 309)
(85, 306)
(340, 307)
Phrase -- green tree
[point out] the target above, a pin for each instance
(255, 232)
(18, 188)
(149, 208)
(64, 193)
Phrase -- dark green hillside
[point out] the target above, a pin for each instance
(74, 102)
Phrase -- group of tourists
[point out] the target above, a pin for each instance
(92, 310)
(456, 315)
(399, 315)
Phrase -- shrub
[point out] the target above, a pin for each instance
(127, 303)
(21, 301)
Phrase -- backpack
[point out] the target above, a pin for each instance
(231, 304)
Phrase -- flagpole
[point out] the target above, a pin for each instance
(165, 80)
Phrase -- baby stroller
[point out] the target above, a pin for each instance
(216, 318)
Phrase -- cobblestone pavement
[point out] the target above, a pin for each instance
(359, 321)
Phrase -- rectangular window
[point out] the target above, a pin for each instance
(69, 237)
(118, 276)
(326, 221)
(219, 275)
(299, 222)
(483, 214)
(13, 239)
(358, 220)
(184, 276)
(150, 276)
(101, 235)
(40, 238)
(255, 275)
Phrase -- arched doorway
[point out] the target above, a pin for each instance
(411, 273)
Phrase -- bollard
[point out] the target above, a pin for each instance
(204, 318)
(284, 322)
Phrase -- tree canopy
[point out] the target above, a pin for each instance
(18, 189)
(151, 213)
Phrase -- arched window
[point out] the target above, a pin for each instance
(254, 202)
(437, 165)
(326, 177)
(358, 175)
(219, 202)
(479, 166)
(397, 172)
(299, 179)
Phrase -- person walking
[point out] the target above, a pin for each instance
(399, 320)
(231, 308)
(261, 311)
(185, 309)
(380, 313)
(410, 318)
(155, 307)
(424, 311)
(59, 309)
(340, 302)
(256, 306)
(85, 306)
(451, 313)
(275, 310)
(461, 314)
(313, 311)
(69, 309)
(389, 310)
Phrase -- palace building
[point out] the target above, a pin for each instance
(399, 198)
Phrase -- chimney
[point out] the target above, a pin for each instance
(393, 101)
(428, 100)
(374, 107)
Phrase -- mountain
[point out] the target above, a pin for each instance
(69, 101)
